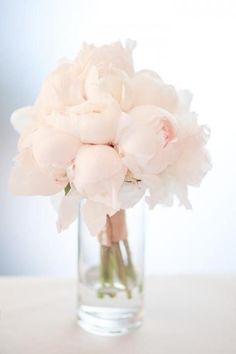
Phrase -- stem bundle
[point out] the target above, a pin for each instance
(116, 267)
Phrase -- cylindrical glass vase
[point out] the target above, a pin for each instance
(111, 274)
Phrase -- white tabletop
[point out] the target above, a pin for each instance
(184, 315)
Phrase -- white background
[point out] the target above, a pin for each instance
(191, 44)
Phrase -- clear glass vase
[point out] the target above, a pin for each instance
(111, 274)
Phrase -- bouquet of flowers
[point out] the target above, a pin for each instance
(102, 132)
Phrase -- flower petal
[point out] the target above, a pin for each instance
(62, 87)
(68, 210)
(28, 179)
(21, 118)
(53, 148)
(130, 193)
(144, 139)
(95, 216)
(99, 174)
(106, 57)
(150, 89)
(97, 122)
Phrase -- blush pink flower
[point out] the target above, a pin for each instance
(27, 178)
(190, 160)
(65, 86)
(145, 142)
(98, 174)
(49, 152)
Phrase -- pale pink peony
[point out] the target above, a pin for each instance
(28, 179)
(98, 174)
(190, 161)
(64, 87)
(145, 143)
(49, 152)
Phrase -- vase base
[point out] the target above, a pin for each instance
(109, 321)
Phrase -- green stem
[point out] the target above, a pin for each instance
(130, 266)
(121, 270)
(106, 272)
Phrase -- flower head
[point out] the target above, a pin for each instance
(98, 174)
